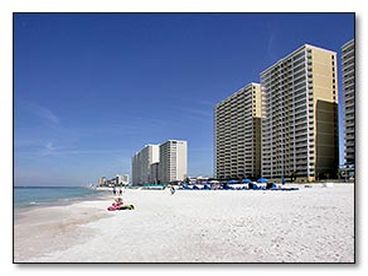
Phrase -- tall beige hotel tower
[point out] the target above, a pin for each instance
(300, 128)
(173, 161)
(238, 134)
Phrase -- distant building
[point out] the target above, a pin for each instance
(125, 179)
(173, 161)
(102, 181)
(115, 181)
(300, 130)
(348, 74)
(238, 134)
(122, 179)
(141, 164)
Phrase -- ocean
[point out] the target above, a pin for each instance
(39, 196)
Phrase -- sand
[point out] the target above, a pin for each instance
(309, 225)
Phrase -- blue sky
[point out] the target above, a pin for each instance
(90, 90)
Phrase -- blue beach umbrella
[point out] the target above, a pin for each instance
(262, 180)
(206, 187)
(246, 180)
(232, 182)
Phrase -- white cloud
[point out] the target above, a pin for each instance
(43, 113)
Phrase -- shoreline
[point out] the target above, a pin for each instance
(22, 206)
(309, 225)
(54, 227)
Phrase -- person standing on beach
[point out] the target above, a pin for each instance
(172, 190)
(114, 191)
(120, 191)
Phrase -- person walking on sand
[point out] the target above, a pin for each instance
(114, 191)
(120, 191)
(172, 190)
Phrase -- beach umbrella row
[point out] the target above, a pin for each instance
(247, 180)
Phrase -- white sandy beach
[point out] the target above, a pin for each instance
(309, 225)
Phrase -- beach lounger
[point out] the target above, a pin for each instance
(116, 207)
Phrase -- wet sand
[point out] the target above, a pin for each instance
(41, 230)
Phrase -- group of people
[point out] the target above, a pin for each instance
(117, 191)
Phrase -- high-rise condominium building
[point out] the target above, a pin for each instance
(348, 74)
(300, 130)
(141, 164)
(173, 161)
(238, 134)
